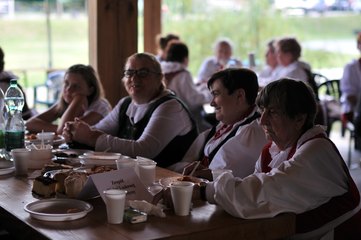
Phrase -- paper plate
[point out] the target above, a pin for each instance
(89, 160)
(56, 142)
(166, 182)
(58, 209)
(4, 171)
(102, 155)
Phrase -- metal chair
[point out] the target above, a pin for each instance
(51, 87)
(329, 93)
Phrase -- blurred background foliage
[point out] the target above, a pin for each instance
(250, 24)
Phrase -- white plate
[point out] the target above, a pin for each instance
(6, 164)
(166, 182)
(102, 155)
(86, 160)
(56, 142)
(4, 171)
(58, 209)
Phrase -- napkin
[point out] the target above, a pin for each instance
(147, 207)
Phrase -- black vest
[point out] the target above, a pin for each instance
(175, 149)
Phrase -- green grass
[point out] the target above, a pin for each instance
(24, 40)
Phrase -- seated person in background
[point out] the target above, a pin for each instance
(269, 72)
(5, 77)
(151, 122)
(222, 56)
(350, 85)
(237, 141)
(81, 97)
(162, 43)
(288, 51)
(178, 79)
(300, 171)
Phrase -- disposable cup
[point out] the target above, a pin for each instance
(21, 157)
(182, 192)
(125, 162)
(145, 169)
(115, 201)
(218, 172)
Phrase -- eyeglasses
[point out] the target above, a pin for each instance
(140, 73)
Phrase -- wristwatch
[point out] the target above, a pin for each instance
(202, 191)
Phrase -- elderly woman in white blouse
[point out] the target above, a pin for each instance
(151, 122)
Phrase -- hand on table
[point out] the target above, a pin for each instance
(201, 171)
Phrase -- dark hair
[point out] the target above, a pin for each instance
(291, 97)
(290, 45)
(177, 52)
(88, 73)
(163, 41)
(2, 62)
(236, 78)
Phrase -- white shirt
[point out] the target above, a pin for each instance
(183, 86)
(294, 70)
(350, 84)
(101, 106)
(307, 180)
(238, 154)
(268, 75)
(167, 121)
(211, 65)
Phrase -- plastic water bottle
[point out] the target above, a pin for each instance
(15, 126)
(14, 98)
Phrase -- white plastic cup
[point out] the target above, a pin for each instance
(145, 169)
(217, 172)
(125, 162)
(21, 157)
(115, 201)
(182, 192)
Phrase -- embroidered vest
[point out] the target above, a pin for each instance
(206, 160)
(334, 208)
(175, 149)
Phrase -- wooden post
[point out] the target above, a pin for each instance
(152, 24)
(113, 36)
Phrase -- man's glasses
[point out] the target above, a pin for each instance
(140, 73)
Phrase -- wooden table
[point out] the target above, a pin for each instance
(206, 221)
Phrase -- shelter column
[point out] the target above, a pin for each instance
(152, 24)
(113, 36)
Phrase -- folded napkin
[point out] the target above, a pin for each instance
(147, 207)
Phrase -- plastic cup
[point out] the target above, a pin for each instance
(21, 157)
(182, 192)
(125, 162)
(217, 172)
(146, 170)
(115, 201)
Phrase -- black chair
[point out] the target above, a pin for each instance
(319, 78)
(329, 93)
(51, 87)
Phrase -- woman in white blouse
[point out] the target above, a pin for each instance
(151, 122)
(299, 171)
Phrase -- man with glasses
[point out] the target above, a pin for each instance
(151, 122)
